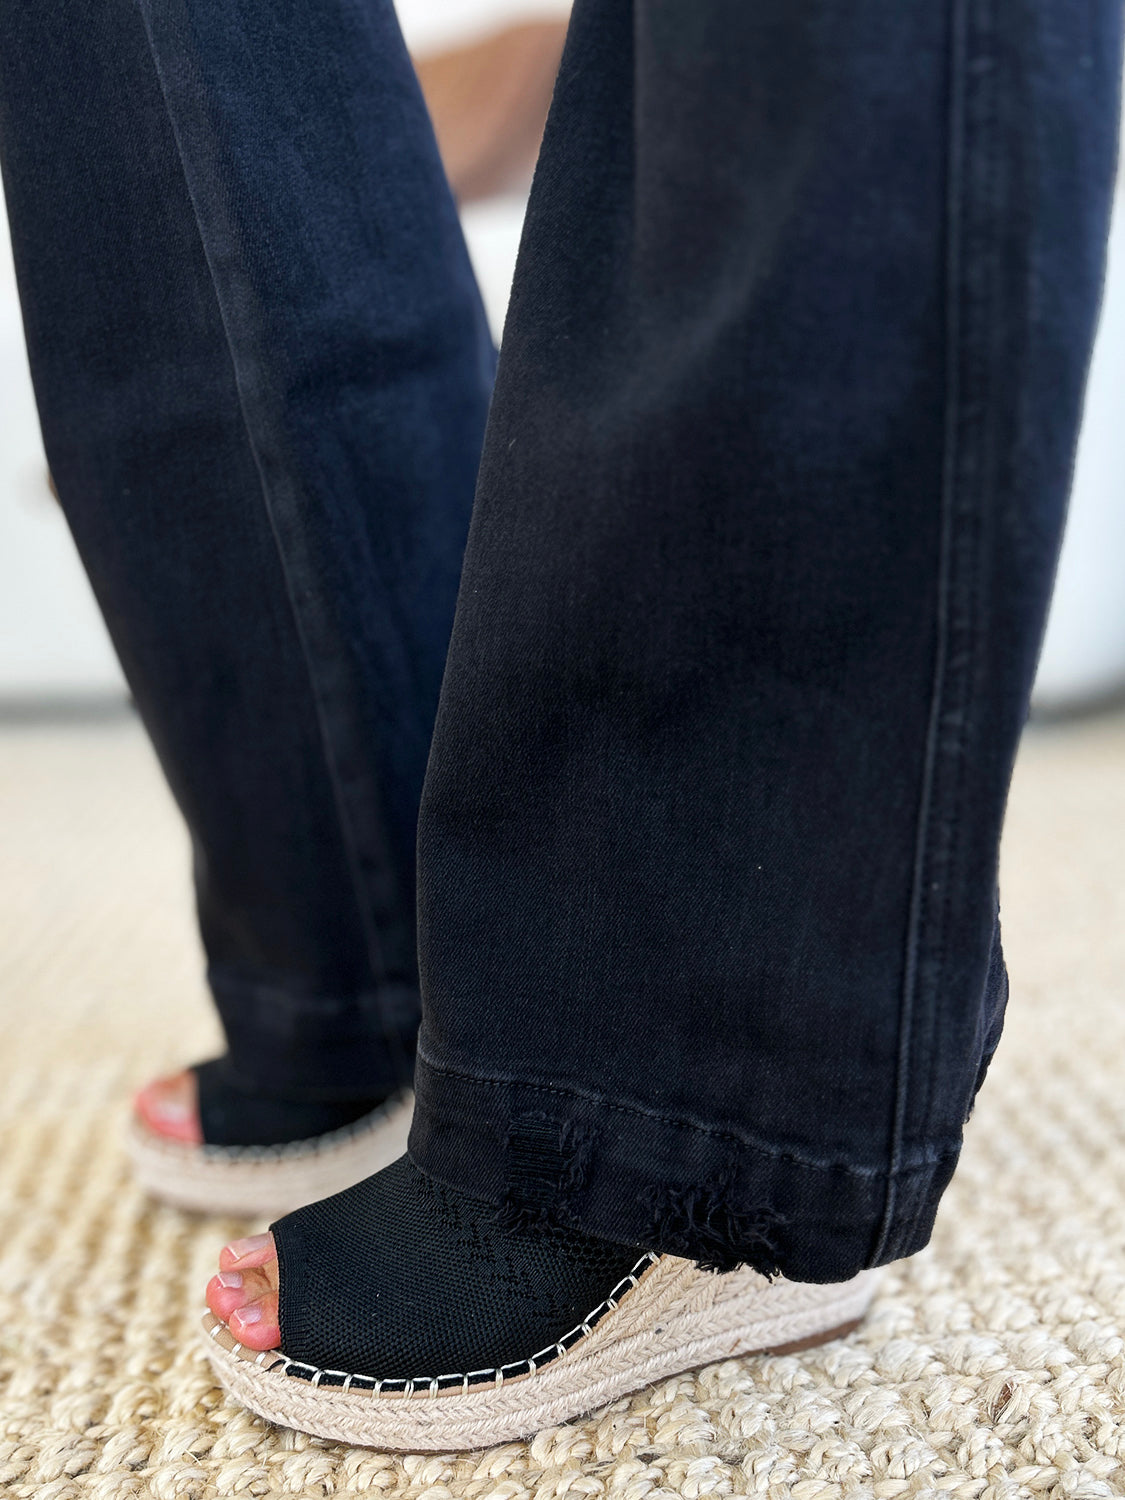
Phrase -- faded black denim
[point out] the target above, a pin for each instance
(262, 369)
(762, 545)
(764, 536)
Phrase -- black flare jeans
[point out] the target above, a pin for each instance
(763, 538)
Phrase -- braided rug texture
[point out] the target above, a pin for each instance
(992, 1364)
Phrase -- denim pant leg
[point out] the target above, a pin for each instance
(262, 369)
(763, 541)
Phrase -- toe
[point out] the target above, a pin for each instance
(170, 1107)
(244, 1293)
(230, 1290)
(255, 1324)
(246, 1254)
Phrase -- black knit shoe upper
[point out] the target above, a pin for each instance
(233, 1113)
(402, 1278)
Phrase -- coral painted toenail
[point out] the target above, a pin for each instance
(249, 1246)
(230, 1279)
(251, 1313)
(173, 1114)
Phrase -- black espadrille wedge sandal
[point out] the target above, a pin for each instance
(263, 1154)
(412, 1319)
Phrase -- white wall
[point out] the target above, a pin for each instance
(52, 641)
(1084, 650)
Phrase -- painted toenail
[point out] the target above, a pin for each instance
(251, 1313)
(249, 1246)
(172, 1110)
(230, 1279)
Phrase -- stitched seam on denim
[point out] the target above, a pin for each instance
(263, 993)
(430, 1385)
(269, 992)
(976, 478)
(366, 916)
(920, 1161)
(959, 21)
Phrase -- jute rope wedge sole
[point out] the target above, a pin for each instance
(667, 1316)
(267, 1181)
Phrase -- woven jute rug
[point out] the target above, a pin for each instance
(992, 1364)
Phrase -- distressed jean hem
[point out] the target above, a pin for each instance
(664, 1184)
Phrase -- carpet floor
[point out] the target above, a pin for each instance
(992, 1364)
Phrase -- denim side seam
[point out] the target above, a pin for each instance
(287, 542)
(945, 736)
(972, 488)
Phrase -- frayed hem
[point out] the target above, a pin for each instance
(704, 1223)
(548, 1161)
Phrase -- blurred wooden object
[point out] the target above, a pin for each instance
(488, 100)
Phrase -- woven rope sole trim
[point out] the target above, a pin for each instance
(254, 1181)
(674, 1318)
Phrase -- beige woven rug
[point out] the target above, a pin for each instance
(991, 1366)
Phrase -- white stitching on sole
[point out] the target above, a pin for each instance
(432, 1385)
(685, 1318)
